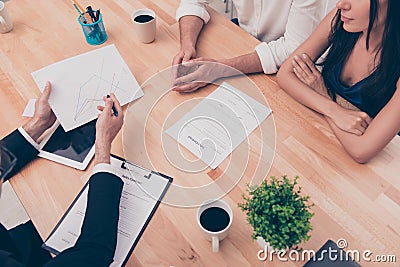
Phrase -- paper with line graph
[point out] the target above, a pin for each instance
(79, 84)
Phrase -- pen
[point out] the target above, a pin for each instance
(97, 14)
(115, 111)
(91, 14)
(80, 13)
(79, 6)
(80, 10)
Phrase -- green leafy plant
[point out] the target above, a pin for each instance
(278, 213)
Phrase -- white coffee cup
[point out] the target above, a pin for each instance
(214, 235)
(6, 24)
(144, 22)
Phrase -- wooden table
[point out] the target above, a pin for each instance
(360, 203)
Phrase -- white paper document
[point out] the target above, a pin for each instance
(141, 194)
(79, 84)
(218, 124)
(29, 110)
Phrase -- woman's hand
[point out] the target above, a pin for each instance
(351, 121)
(306, 71)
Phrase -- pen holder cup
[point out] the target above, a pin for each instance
(95, 33)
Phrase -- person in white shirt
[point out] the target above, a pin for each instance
(281, 25)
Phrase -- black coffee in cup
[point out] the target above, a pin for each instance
(143, 18)
(214, 219)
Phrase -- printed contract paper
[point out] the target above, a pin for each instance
(141, 192)
(218, 124)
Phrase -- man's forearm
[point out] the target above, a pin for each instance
(102, 153)
(35, 129)
(18, 145)
(190, 27)
(249, 63)
(98, 239)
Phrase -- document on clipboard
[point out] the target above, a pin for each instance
(142, 193)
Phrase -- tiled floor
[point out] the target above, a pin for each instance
(12, 212)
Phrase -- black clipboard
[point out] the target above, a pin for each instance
(123, 166)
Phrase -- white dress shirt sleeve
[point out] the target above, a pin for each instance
(104, 167)
(304, 17)
(28, 138)
(193, 8)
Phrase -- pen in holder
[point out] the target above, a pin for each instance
(94, 32)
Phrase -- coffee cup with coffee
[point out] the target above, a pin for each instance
(215, 218)
(6, 24)
(144, 22)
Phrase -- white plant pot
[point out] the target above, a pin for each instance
(264, 244)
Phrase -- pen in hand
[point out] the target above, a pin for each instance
(115, 111)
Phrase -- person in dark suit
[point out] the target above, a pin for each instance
(97, 242)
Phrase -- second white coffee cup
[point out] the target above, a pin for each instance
(215, 218)
(144, 22)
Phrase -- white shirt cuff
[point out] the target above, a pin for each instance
(266, 58)
(104, 167)
(28, 138)
(192, 10)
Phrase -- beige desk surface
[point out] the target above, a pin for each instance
(360, 203)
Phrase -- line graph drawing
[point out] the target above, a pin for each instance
(80, 82)
(103, 87)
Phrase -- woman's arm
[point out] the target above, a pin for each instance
(314, 47)
(379, 133)
(354, 122)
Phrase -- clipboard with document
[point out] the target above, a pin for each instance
(141, 195)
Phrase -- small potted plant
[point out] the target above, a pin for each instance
(278, 213)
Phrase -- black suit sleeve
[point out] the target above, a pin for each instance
(8, 252)
(21, 148)
(97, 242)
(7, 260)
(24, 153)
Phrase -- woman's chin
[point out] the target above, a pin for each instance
(350, 28)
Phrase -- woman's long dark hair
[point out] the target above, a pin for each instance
(378, 90)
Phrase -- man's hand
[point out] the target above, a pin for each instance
(189, 28)
(306, 71)
(43, 117)
(200, 72)
(107, 127)
(187, 53)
